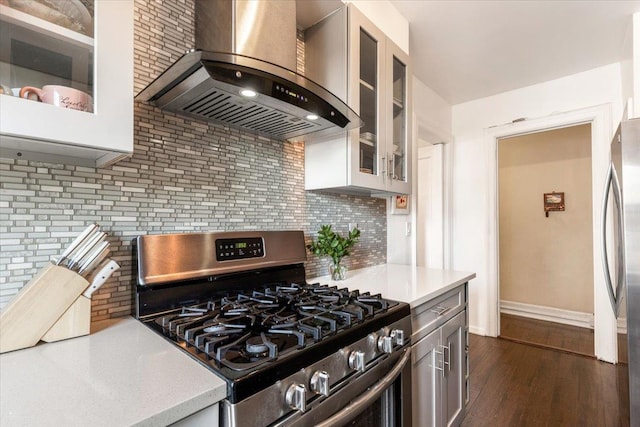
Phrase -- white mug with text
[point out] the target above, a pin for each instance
(60, 96)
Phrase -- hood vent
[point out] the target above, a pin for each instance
(236, 76)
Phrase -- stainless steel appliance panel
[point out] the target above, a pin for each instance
(172, 257)
(242, 73)
(382, 392)
(232, 26)
(623, 281)
(630, 188)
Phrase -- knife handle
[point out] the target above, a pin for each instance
(77, 242)
(103, 274)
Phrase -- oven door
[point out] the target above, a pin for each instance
(380, 396)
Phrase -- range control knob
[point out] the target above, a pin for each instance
(356, 360)
(398, 335)
(320, 383)
(385, 344)
(296, 397)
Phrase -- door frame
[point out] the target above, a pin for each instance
(605, 326)
(431, 222)
(427, 132)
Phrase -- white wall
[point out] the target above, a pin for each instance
(433, 114)
(471, 178)
(386, 17)
(432, 120)
(626, 67)
(432, 124)
(630, 67)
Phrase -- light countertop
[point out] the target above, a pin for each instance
(122, 374)
(413, 285)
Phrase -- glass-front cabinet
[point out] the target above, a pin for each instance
(398, 128)
(66, 80)
(369, 103)
(376, 157)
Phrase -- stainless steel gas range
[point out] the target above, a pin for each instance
(291, 353)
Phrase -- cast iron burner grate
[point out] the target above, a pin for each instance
(249, 328)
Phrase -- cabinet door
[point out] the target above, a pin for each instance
(83, 80)
(453, 340)
(398, 132)
(366, 94)
(427, 374)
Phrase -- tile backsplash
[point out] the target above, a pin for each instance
(184, 176)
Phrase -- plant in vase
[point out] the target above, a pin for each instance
(335, 246)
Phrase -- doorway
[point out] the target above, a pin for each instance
(545, 238)
(600, 118)
(430, 237)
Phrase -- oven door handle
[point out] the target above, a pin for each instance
(358, 405)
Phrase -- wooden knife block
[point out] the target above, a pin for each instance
(50, 307)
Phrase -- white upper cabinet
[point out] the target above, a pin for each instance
(73, 63)
(352, 58)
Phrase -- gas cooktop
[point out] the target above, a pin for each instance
(244, 310)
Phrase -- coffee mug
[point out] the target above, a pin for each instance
(60, 96)
(15, 91)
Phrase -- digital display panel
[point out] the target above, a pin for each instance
(240, 248)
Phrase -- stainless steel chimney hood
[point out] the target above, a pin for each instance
(241, 75)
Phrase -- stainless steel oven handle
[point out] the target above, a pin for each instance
(358, 405)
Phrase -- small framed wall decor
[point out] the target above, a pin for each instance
(400, 204)
(553, 202)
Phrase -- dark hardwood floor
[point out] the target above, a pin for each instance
(515, 384)
(549, 334)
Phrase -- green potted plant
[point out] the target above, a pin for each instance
(335, 246)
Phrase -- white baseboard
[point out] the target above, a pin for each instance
(550, 314)
(477, 331)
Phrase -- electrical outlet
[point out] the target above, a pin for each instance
(352, 225)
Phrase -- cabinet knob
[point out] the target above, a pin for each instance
(356, 360)
(320, 383)
(296, 397)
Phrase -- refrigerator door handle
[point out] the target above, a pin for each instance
(605, 256)
(620, 260)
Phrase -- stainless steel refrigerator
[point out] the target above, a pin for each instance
(623, 278)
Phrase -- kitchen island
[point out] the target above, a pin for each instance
(125, 374)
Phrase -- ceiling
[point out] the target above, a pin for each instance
(466, 50)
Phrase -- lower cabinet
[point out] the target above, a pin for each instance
(205, 417)
(426, 381)
(440, 374)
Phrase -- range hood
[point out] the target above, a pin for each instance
(241, 74)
